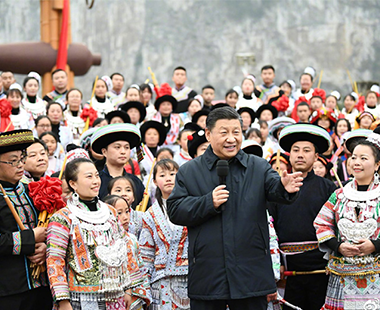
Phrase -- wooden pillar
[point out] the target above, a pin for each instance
(51, 21)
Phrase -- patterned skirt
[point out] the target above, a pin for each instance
(353, 292)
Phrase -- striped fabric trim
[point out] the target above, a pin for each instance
(115, 128)
(305, 128)
(16, 243)
(16, 138)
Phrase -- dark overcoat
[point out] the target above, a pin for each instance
(229, 256)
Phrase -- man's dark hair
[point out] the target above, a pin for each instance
(303, 103)
(222, 113)
(116, 73)
(36, 140)
(56, 71)
(267, 67)
(208, 87)
(179, 68)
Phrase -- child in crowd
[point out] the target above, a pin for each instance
(255, 135)
(183, 155)
(322, 167)
(197, 143)
(231, 98)
(147, 100)
(123, 186)
(208, 94)
(140, 291)
(303, 112)
(364, 120)
(342, 126)
(165, 153)
(55, 151)
(164, 246)
(195, 105)
(248, 117)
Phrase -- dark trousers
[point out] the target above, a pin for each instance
(306, 291)
(253, 303)
(36, 299)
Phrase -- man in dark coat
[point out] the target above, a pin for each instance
(19, 248)
(115, 142)
(229, 256)
(294, 222)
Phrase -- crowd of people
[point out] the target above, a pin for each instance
(147, 222)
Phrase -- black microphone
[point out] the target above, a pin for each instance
(222, 170)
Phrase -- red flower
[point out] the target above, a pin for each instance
(318, 92)
(361, 283)
(5, 108)
(165, 89)
(281, 104)
(360, 104)
(89, 112)
(46, 194)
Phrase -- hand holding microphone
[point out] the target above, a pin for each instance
(220, 194)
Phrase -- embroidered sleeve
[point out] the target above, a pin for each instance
(147, 247)
(325, 223)
(143, 290)
(57, 242)
(133, 267)
(16, 243)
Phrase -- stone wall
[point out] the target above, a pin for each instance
(204, 36)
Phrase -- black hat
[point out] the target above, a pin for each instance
(106, 135)
(123, 115)
(219, 105)
(305, 132)
(135, 104)
(355, 136)
(156, 125)
(248, 110)
(328, 165)
(163, 98)
(15, 140)
(198, 114)
(192, 126)
(283, 158)
(267, 107)
(194, 141)
(252, 147)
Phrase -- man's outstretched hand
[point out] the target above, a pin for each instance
(292, 182)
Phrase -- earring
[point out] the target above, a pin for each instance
(376, 178)
(75, 197)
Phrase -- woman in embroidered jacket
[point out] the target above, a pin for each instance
(348, 228)
(164, 246)
(87, 254)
